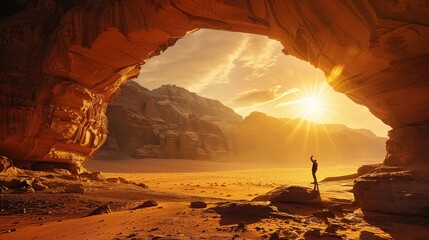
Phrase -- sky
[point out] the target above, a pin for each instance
(249, 73)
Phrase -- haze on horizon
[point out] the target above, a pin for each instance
(250, 73)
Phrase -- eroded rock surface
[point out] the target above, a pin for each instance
(399, 190)
(169, 122)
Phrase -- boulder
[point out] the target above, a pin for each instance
(38, 186)
(101, 210)
(75, 188)
(291, 194)
(198, 204)
(245, 209)
(12, 183)
(146, 204)
(399, 190)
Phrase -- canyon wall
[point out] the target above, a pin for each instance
(62, 61)
(168, 122)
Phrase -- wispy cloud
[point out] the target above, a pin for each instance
(258, 97)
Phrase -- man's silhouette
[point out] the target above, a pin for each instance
(314, 169)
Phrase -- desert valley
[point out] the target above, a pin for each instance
(209, 119)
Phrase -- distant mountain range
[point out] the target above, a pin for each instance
(172, 122)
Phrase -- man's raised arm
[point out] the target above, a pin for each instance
(311, 158)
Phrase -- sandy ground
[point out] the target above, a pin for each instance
(53, 214)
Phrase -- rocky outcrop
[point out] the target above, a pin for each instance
(169, 122)
(61, 62)
(291, 194)
(400, 190)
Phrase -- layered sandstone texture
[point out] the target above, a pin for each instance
(169, 122)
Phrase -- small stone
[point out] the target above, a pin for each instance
(275, 236)
(101, 210)
(331, 229)
(149, 203)
(315, 233)
(198, 204)
(241, 225)
(3, 189)
(142, 185)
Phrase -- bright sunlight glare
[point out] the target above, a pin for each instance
(312, 106)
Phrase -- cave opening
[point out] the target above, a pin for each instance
(251, 75)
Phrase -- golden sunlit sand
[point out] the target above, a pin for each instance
(172, 218)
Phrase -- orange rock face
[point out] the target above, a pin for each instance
(63, 61)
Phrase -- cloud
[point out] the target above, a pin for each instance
(256, 97)
(201, 59)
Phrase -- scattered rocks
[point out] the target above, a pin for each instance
(198, 204)
(5, 163)
(323, 214)
(293, 194)
(245, 209)
(75, 188)
(149, 203)
(101, 210)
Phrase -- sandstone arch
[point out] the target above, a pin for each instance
(63, 61)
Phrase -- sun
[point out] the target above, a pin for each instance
(313, 107)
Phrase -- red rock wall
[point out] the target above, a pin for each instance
(61, 62)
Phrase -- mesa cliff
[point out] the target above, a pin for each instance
(171, 122)
(61, 62)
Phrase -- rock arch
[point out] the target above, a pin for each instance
(63, 61)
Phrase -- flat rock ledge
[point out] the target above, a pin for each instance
(291, 194)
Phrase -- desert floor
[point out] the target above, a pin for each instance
(54, 214)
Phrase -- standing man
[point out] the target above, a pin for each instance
(314, 169)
